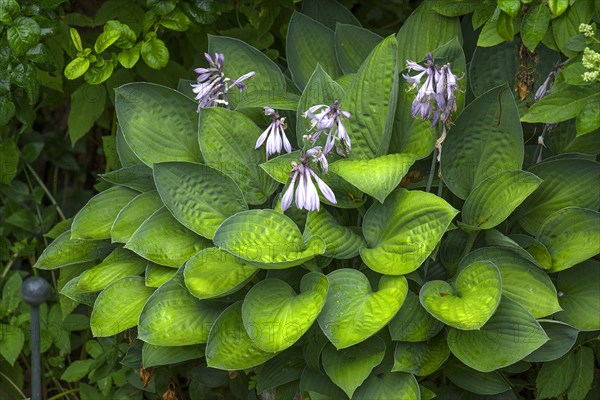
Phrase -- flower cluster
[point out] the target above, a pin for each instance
(302, 189)
(274, 134)
(436, 97)
(591, 61)
(212, 87)
(329, 119)
(586, 29)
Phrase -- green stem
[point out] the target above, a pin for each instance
(432, 170)
(8, 265)
(13, 385)
(537, 154)
(43, 186)
(64, 394)
(37, 210)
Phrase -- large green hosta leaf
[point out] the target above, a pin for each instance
(229, 346)
(309, 43)
(384, 172)
(153, 356)
(158, 123)
(353, 312)
(215, 273)
(511, 334)
(276, 317)
(137, 177)
(227, 140)
(118, 307)
(470, 302)
(119, 264)
(133, 215)
(349, 368)
(163, 240)
(241, 58)
(65, 251)
(96, 218)
(522, 281)
(413, 323)
(421, 358)
(353, 45)
(200, 197)
(389, 386)
(565, 182)
(328, 12)
(173, 317)
(156, 274)
(571, 235)
(402, 232)
(486, 139)
(494, 199)
(371, 100)
(579, 296)
(266, 238)
(341, 241)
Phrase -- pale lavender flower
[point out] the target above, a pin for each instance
(317, 155)
(212, 87)
(274, 134)
(436, 98)
(546, 87)
(306, 194)
(329, 119)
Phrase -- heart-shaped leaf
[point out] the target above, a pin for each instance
(340, 241)
(494, 199)
(389, 386)
(153, 356)
(397, 242)
(329, 12)
(215, 273)
(470, 301)
(96, 218)
(118, 264)
(349, 368)
(173, 317)
(158, 123)
(571, 235)
(421, 358)
(229, 347)
(275, 317)
(286, 367)
(511, 334)
(384, 172)
(128, 295)
(227, 140)
(133, 215)
(163, 240)
(353, 312)
(266, 238)
(578, 296)
(413, 323)
(200, 197)
(522, 281)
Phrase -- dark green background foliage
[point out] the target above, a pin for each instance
(182, 278)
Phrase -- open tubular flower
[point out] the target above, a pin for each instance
(329, 119)
(302, 188)
(274, 134)
(212, 87)
(436, 97)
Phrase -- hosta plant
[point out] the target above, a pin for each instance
(375, 222)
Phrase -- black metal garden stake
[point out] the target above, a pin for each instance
(35, 291)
